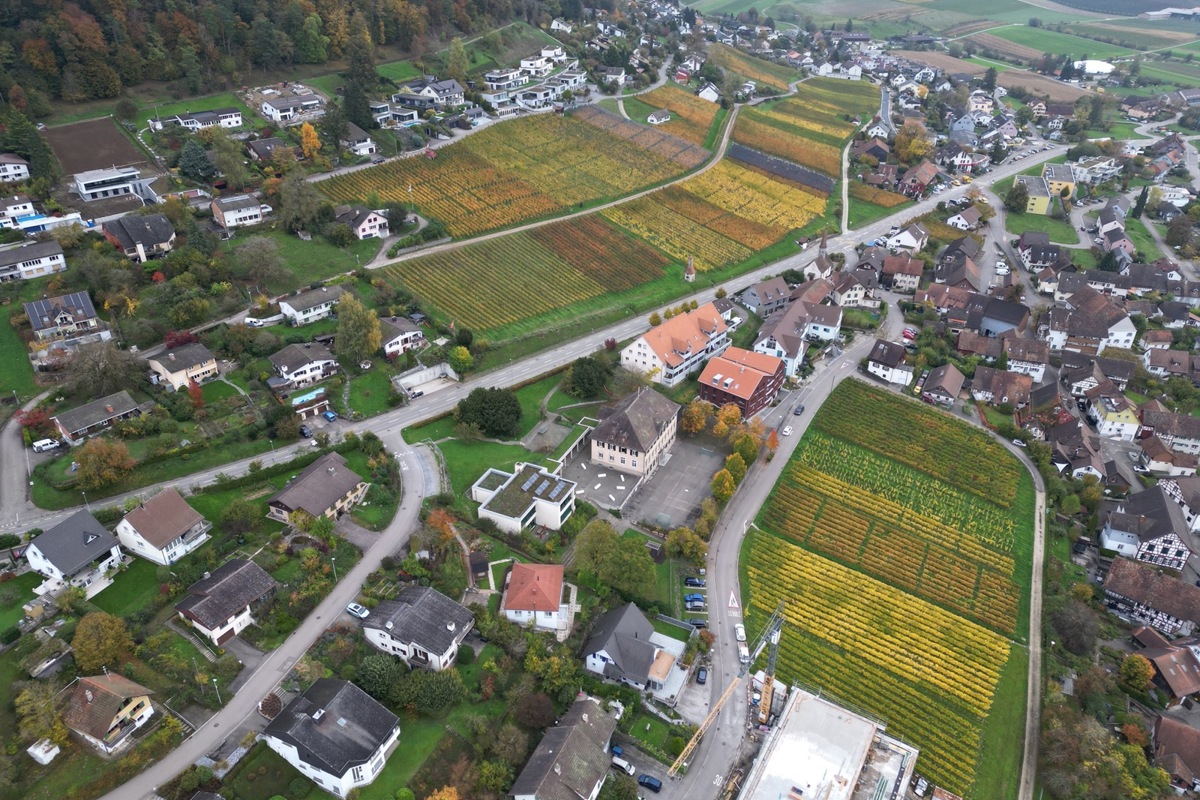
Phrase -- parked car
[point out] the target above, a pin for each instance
(42, 445)
(696, 622)
(702, 675)
(787, 430)
(1019, 442)
(743, 654)
(377, 160)
(329, 416)
(695, 606)
(739, 632)
(650, 782)
(693, 581)
(305, 432)
(354, 609)
(693, 598)
(616, 750)
(623, 765)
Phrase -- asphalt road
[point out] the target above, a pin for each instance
(718, 751)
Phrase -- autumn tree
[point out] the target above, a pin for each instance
(445, 793)
(358, 332)
(101, 640)
(37, 715)
(299, 202)
(102, 462)
(772, 442)
(441, 522)
(723, 486)
(535, 711)
(695, 416)
(736, 467)
(728, 416)
(101, 368)
(310, 143)
(510, 744)
(747, 446)
(1136, 673)
(655, 320)
(196, 394)
(684, 543)
(912, 143)
(456, 61)
(460, 359)
(259, 261)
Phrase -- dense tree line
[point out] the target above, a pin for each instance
(91, 49)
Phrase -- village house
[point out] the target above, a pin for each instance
(572, 760)
(399, 335)
(78, 551)
(902, 273)
(98, 184)
(1167, 363)
(91, 418)
(1110, 412)
(358, 141)
(747, 379)
(1161, 460)
(290, 109)
(943, 385)
(264, 150)
(1180, 432)
(1176, 669)
(886, 361)
(1001, 386)
(68, 316)
(363, 222)
(13, 168)
(32, 261)
(1148, 526)
(965, 220)
(766, 296)
(141, 237)
(1091, 323)
(1039, 198)
(677, 347)
(1081, 372)
(635, 434)
(163, 529)
(422, 627)
(335, 734)
(104, 710)
(311, 305)
(299, 365)
(536, 595)
(1142, 593)
(222, 604)
(624, 647)
(183, 365)
(326, 488)
(1177, 746)
(1075, 450)
(236, 212)
(227, 118)
(529, 495)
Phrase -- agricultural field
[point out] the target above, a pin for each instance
(1036, 41)
(904, 584)
(691, 117)
(490, 284)
(811, 127)
(94, 144)
(749, 68)
(523, 170)
(876, 196)
(1145, 38)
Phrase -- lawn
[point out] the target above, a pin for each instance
(207, 103)
(1142, 240)
(1061, 231)
(1119, 130)
(214, 391)
(132, 589)
(17, 374)
(262, 774)
(531, 397)
(863, 213)
(1048, 41)
(672, 630)
(998, 774)
(637, 110)
(663, 588)
(466, 461)
(434, 430)
(314, 260)
(373, 513)
(21, 589)
(370, 392)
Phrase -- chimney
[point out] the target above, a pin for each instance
(109, 409)
(450, 626)
(585, 717)
(331, 471)
(388, 624)
(88, 694)
(171, 356)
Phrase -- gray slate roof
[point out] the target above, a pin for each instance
(295, 356)
(75, 542)
(624, 634)
(186, 356)
(571, 758)
(95, 412)
(31, 252)
(422, 616)
(887, 353)
(349, 727)
(148, 230)
(314, 297)
(42, 313)
(230, 588)
(391, 327)
(637, 421)
(319, 486)
(237, 202)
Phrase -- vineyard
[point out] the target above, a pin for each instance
(748, 68)
(783, 170)
(524, 170)
(966, 458)
(896, 534)
(493, 283)
(691, 117)
(879, 197)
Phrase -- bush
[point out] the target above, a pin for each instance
(299, 787)
(10, 635)
(466, 655)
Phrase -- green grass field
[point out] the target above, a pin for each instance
(17, 374)
(214, 391)
(1001, 11)
(370, 391)
(466, 461)
(863, 213)
(1172, 72)
(1061, 231)
(311, 261)
(1048, 41)
(1142, 240)
(206, 103)
(1146, 38)
(21, 588)
(132, 589)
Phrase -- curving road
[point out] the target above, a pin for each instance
(717, 754)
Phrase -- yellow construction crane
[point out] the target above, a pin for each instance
(768, 690)
(770, 633)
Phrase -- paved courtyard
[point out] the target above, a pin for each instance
(673, 494)
(602, 486)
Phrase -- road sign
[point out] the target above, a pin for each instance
(733, 601)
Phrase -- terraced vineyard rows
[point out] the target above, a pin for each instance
(901, 580)
(764, 73)
(944, 669)
(493, 179)
(691, 117)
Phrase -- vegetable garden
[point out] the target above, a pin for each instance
(901, 572)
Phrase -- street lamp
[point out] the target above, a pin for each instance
(85, 501)
(333, 560)
(218, 691)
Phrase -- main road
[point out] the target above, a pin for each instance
(15, 505)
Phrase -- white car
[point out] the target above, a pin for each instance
(739, 632)
(787, 431)
(354, 609)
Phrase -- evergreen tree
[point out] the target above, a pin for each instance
(193, 161)
(311, 44)
(334, 126)
(1140, 205)
(361, 78)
